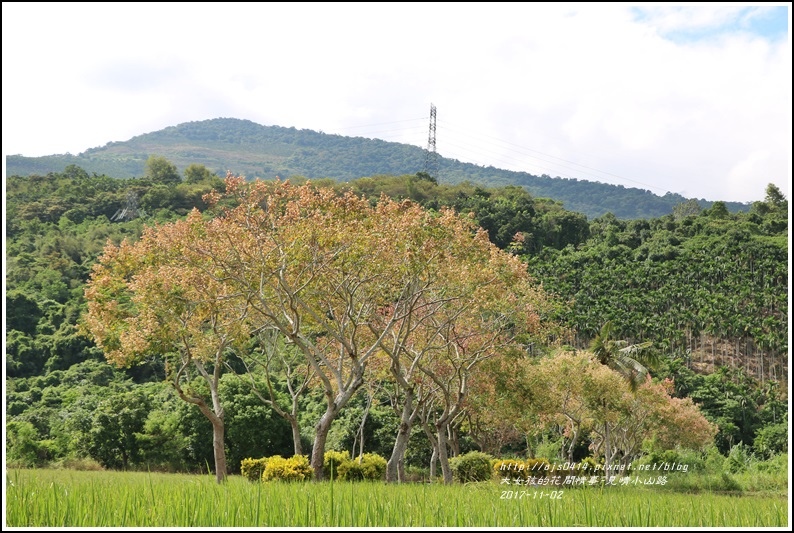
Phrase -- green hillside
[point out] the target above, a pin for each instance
(257, 151)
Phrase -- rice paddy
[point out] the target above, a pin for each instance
(64, 498)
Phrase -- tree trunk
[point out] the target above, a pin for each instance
(214, 416)
(433, 460)
(363, 424)
(318, 449)
(296, 436)
(443, 459)
(394, 467)
(219, 449)
(218, 430)
(395, 463)
(530, 447)
(453, 434)
(573, 443)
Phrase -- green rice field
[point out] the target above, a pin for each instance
(67, 498)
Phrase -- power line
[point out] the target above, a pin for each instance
(383, 123)
(465, 132)
(552, 165)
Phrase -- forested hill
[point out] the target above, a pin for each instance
(268, 151)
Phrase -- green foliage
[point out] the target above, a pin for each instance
(22, 312)
(589, 464)
(24, 356)
(77, 463)
(739, 459)
(549, 448)
(700, 286)
(161, 171)
(727, 483)
(708, 290)
(713, 460)
(689, 208)
(693, 460)
(471, 467)
(116, 422)
(22, 445)
(331, 461)
(195, 173)
(163, 444)
(296, 468)
(777, 464)
(253, 469)
(252, 428)
(626, 359)
(772, 439)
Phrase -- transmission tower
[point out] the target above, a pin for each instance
(129, 211)
(431, 156)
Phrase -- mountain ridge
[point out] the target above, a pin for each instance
(259, 151)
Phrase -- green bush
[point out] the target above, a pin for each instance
(472, 466)
(253, 469)
(773, 465)
(331, 461)
(589, 465)
(296, 468)
(739, 459)
(549, 448)
(713, 460)
(22, 442)
(367, 466)
(416, 474)
(693, 460)
(772, 439)
(77, 463)
(726, 483)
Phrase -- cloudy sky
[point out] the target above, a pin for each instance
(694, 100)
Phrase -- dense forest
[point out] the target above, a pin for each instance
(266, 152)
(704, 288)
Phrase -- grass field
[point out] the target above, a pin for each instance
(56, 498)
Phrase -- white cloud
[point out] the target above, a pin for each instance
(592, 92)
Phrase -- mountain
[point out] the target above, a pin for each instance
(257, 151)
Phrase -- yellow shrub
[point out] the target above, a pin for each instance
(253, 469)
(296, 468)
(331, 461)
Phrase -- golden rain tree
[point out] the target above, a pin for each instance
(160, 296)
(348, 284)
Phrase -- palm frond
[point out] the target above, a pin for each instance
(630, 360)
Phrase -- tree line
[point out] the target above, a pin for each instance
(267, 152)
(275, 371)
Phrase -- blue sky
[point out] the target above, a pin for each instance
(693, 99)
(770, 22)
